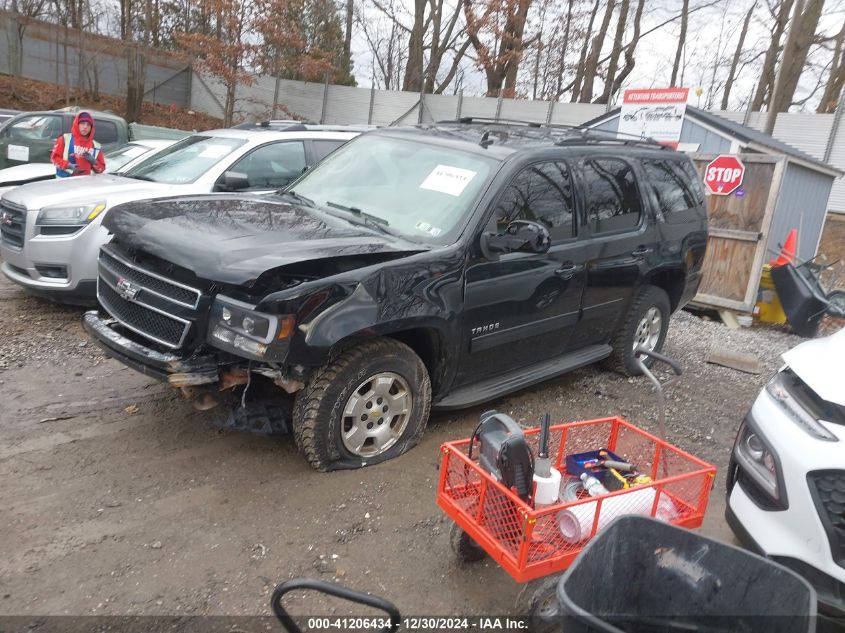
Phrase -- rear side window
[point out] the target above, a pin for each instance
(325, 147)
(672, 187)
(542, 193)
(105, 132)
(613, 200)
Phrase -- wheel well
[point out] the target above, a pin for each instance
(671, 282)
(427, 344)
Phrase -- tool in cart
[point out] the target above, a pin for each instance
(503, 452)
(546, 478)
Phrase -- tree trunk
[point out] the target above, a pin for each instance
(804, 23)
(136, 67)
(514, 55)
(767, 74)
(591, 66)
(414, 70)
(579, 71)
(565, 47)
(629, 51)
(613, 63)
(735, 60)
(347, 40)
(836, 79)
(682, 40)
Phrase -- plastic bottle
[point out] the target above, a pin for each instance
(593, 486)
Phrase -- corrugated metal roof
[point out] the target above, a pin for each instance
(744, 134)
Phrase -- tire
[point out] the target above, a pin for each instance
(837, 303)
(466, 549)
(327, 438)
(649, 298)
(538, 602)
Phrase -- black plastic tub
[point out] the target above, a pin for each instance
(640, 575)
(801, 296)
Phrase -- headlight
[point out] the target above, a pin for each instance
(238, 327)
(778, 388)
(69, 215)
(757, 459)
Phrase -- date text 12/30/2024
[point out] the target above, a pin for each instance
(430, 624)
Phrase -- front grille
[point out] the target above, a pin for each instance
(12, 224)
(151, 282)
(827, 488)
(145, 321)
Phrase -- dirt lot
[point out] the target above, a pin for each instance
(119, 498)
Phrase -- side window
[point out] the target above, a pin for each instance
(542, 193)
(325, 147)
(105, 132)
(613, 200)
(272, 166)
(671, 186)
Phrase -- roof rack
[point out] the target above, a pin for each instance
(478, 119)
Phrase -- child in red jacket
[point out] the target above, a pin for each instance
(77, 153)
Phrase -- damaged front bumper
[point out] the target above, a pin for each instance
(166, 367)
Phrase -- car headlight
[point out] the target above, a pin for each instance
(757, 459)
(778, 389)
(238, 327)
(69, 214)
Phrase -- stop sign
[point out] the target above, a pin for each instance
(724, 174)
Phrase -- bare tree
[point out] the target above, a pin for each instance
(579, 72)
(805, 20)
(23, 12)
(682, 41)
(780, 14)
(735, 61)
(615, 53)
(497, 35)
(836, 76)
(591, 65)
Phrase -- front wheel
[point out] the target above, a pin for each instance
(367, 405)
(646, 325)
(837, 303)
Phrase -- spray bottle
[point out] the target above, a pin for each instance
(546, 478)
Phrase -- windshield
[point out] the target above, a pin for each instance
(185, 161)
(117, 158)
(422, 191)
(34, 128)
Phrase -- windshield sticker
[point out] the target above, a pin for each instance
(215, 151)
(18, 152)
(425, 227)
(449, 180)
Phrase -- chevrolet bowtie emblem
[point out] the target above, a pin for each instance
(126, 290)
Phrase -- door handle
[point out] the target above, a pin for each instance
(567, 271)
(642, 250)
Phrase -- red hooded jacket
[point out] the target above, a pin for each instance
(69, 148)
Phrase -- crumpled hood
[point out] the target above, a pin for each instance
(99, 187)
(821, 364)
(235, 238)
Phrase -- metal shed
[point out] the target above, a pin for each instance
(784, 188)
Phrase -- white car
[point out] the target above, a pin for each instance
(51, 233)
(119, 158)
(786, 479)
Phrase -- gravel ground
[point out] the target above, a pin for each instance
(119, 498)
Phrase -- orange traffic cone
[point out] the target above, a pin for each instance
(787, 253)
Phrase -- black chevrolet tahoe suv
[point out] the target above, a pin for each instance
(435, 266)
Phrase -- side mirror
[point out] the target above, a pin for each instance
(522, 236)
(233, 181)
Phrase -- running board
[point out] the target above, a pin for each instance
(498, 386)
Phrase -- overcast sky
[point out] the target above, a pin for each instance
(712, 32)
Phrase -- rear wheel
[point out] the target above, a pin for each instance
(368, 405)
(645, 325)
(538, 601)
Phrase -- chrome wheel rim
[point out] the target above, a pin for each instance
(376, 414)
(647, 333)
